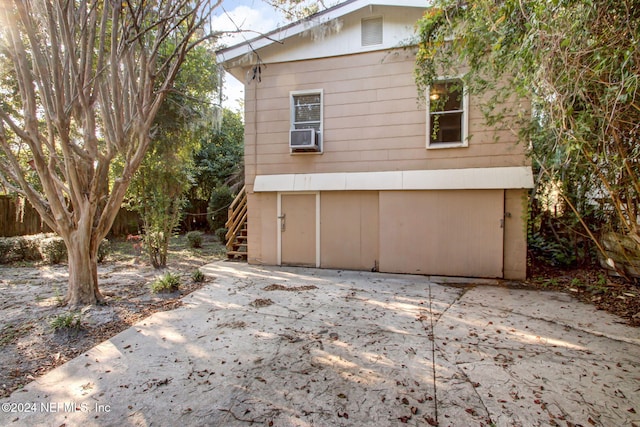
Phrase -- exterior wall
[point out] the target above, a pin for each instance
(515, 234)
(343, 36)
(299, 236)
(372, 120)
(262, 228)
(349, 229)
(450, 233)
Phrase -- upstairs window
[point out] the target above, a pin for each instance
(306, 110)
(447, 114)
(371, 31)
(305, 134)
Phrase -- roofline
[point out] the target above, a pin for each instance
(295, 28)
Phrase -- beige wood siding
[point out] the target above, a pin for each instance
(372, 120)
(515, 234)
(262, 228)
(298, 229)
(450, 233)
(349, 229)
(427, 232)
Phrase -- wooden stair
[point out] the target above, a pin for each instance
(237, 227)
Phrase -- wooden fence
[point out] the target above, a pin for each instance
(29, 222)
(126, 222)
(13, 224)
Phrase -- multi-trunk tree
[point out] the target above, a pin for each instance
(86, 81)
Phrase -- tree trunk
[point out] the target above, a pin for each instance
(83, 271)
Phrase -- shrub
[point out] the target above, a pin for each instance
(195, 239)
(53, 250)
(156, 244)
(47, 247)
(71, 320)
(166, 284)
(197, 276)
(221, 234)
(7, 251)
(104, 249)
(556, 252)
(20, 248)
(28, 247)
(221, 198)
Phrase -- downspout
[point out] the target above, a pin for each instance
(255, 134)
(255, 158)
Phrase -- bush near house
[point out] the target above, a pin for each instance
(221, 234)
(49, 248)
(195, 239)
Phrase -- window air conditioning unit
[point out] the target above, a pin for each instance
(302, 140)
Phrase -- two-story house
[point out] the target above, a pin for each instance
(346, 169)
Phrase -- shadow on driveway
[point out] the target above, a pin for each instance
(306, 347)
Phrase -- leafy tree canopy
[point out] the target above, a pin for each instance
(579, 63)
(81, 84)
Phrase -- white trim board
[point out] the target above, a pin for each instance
(516, 177)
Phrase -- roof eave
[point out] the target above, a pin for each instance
(231, 53)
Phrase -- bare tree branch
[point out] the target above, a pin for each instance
(91, 77)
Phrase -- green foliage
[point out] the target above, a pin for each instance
(27, 248)
(577, 283)
(158, 191)
(53, 250)
(579, 64)
(195, 239)
(220, 159)
(66, 321)
(166, 284)
(17, 249)
(104, 250)
(221, 234)
(221, 198)
(47, 247)
(81, 86)
(6, 249)
(555, 252)
(198, 276)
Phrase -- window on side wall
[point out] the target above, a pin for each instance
(447, 117)
(305, 134)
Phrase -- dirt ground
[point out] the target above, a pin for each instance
(31, 296)
(592, 286)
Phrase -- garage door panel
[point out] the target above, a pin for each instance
(453, 233)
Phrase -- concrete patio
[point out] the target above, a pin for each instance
(306, 347)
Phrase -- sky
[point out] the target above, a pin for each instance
(253, 16)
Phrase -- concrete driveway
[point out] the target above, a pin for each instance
(305, 347)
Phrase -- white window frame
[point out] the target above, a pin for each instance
(292, 111)
(465, 117)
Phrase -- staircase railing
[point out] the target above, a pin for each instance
(237, 217)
